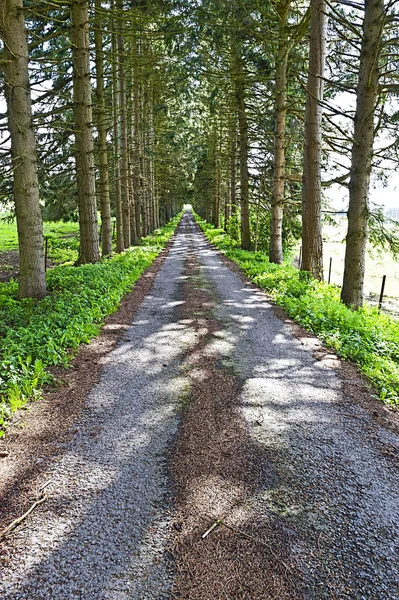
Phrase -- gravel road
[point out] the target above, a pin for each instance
(331, 479)
(102, 533)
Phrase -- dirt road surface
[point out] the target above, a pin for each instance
(217, 457)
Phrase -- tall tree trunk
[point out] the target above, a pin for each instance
(120, 244)
(143, 181)
(230, 206)
(312, 244)
(233, 170)
(136, 135)
(243, 148)
(105, 206)
(132, 212)
(148, 156)
(23, 151)
(216, 176)
(280, 115)
(129, 119)
(362, 153)
(151, 146)
(83, 120)
(123, 146)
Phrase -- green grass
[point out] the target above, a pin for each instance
(35, 335)
(8, 236)
(63, 240)
(369, 339)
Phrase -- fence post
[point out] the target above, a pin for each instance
(45, 253)
(329, 270)
(382, 292)
(300, 257)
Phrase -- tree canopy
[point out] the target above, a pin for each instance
(249, 111)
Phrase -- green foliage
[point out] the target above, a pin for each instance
(368, 338)
(35, 335)
(233, 227)
(63, 240)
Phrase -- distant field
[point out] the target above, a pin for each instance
(8, 236)
(8, 232)
(377, 264)
(63, 246)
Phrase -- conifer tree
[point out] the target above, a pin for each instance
(23, 150)
(83, 121)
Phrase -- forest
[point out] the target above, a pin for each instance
(191, 405)
(270, 119)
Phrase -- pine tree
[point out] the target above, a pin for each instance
(362, 153)
(23, 150)
(312, 245)
(83, 120)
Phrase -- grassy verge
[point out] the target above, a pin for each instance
(35, 335)
(369, 339)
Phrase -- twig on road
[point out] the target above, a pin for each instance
(16, 522)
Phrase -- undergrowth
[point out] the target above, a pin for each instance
(368, 338)
(35, 335)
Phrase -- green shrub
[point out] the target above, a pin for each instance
(368, 338)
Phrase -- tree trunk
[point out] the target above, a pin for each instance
(136, 135)
(83, 120)
(280, 115)
(132, 211)
(215, 166)
(105, 206)
(231, 200)
(23, 151)
(312, 245)
(143, 182)
(243, 150)
(362, 153)
(120, 245)
(123, 146)
(151, 146)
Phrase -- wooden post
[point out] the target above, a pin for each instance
(45, 252)
(329, 270)
(300, 257)
(382, 292)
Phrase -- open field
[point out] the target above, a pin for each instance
(63, 245)
(378, 263)
(8, 232)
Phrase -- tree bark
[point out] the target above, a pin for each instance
(123, 146)
(216, 176)
(280, 116)
(136, 135)
(83, 120)
(23, 151)
(132, 212)
(120, 244)
(312, 245)
(233, 168)
(105, 205)
(243, 149)
(362, 153)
